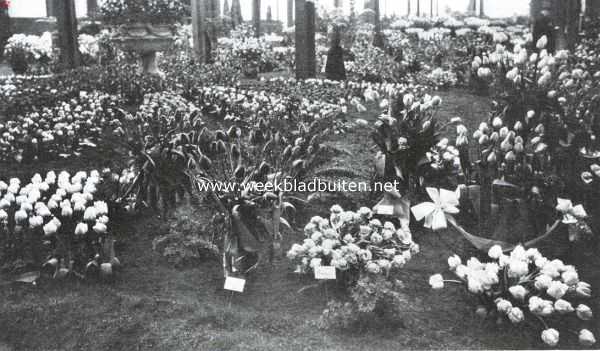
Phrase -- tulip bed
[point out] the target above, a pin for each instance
(92, 241)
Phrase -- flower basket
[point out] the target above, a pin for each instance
(504, 225)
(512, 221)
(146, 39)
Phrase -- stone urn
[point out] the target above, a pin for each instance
(146, 39)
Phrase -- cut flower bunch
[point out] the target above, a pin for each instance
(353, 242)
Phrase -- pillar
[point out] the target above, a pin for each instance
(306, 64)
(67, 34)
(199, 30)
(256, 17)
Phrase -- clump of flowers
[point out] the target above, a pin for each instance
(442, 79)
(59, 222)
(136, 11)
(61, 131)
(524, 286)
(89, 47)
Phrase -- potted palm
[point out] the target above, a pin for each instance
(145, 27)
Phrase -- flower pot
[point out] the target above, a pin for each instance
(146, 40)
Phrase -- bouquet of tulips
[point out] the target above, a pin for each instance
(57, 222)
(367, 256)
(525, 288)
(411, 152)
(354, 243)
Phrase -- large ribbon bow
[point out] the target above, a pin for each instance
(444, 201)
(571, 214)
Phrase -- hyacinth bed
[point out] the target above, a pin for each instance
(110, 238)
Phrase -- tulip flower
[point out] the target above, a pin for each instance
(90, 214)
(584, 312)
(66, 211)
(99, 228)
(21, 216)
(571, 214)
(454, 261)
(503, 306)
(557, 289)
(550, 337)
(518, 292)
(542, 282)
(515, 315)
(570, 277)
(563, 307)
(436, 281)
(583, 290)
(81, 229)
(50, 228)
(586, 338)
(495, 252)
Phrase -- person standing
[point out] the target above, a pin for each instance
(334, 68)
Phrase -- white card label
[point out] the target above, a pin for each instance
(234, 284)
(325, 273)
(386, 210)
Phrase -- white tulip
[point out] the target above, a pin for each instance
(81, 229)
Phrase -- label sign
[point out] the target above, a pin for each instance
(325, 273)
(386, 210)
(234, 284)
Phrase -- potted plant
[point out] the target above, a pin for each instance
(144, 27)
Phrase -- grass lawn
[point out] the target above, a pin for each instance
(152, 305)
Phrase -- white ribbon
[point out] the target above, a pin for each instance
(444, 201)
(571, 214)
